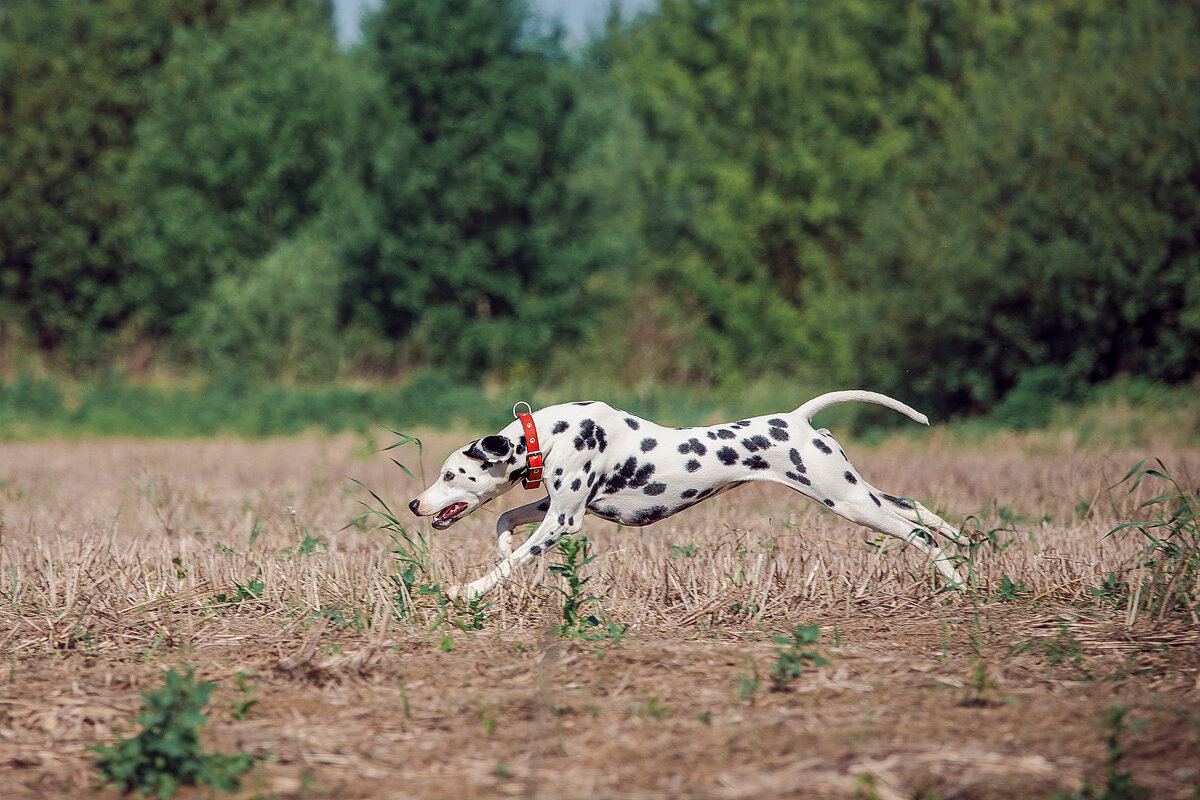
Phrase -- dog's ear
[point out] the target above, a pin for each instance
(491, 449)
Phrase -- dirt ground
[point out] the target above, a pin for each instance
(244, 561)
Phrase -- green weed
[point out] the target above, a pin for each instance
(166, 754)
(1118, 781)
(1172, 551)
(792, 658)
(576, 621)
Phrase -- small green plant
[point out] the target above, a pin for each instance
(654, 708)
(749, 684)
(1063, 648)
(1118, 781)
(1010, 590)
(242, 706)
(1172, 552)
(166, 754)
(250, 590)
(1111, 590)
(984, 689)
(792, 658)
(576, 622)
(683, 551)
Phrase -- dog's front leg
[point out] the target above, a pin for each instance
(557, 523)
(515, 517)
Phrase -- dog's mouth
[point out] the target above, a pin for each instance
(449, 515)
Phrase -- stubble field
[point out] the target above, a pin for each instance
(250, 563)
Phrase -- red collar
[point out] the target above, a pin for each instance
(533, 478)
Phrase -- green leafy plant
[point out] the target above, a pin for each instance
(1172, 551)
(792, 657)
(242, 706)
(576, 621)
(1118, 781)
(166, 753)
(1010, 590)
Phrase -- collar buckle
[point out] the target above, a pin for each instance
(533, 476)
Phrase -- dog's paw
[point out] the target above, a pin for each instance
(454, 593)
(504, 545)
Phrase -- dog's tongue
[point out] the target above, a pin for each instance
(450, 511)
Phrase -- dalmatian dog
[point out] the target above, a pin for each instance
(602, 461)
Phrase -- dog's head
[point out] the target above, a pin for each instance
(471, 476)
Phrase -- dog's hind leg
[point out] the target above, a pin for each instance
(515, 517)
(863, 506)
(918, 514)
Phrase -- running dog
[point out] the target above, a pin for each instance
(600, 460)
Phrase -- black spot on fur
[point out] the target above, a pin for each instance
(692, 465)
(562, 519)
(898, 501)
(688, 494)
(583, 403)
(560, 426)
(632, 423)
(558, 472)
(537, 551)
(575, 484)
(587, 467)
(693, 446)
(711, 435)
(849, 476)
(649, 515)
(655, 489)
(829, 503)
(873, 497)
(756, 462)
(728, 456)
(794, 455)
(591, 478)
(777, 423)
(648, 445)
(558, 484)
(820, 445)
(779, 434)
(726, 434)
(798, 478)
(756, 442)
(544, 506)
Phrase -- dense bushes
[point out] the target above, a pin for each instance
(929, 198)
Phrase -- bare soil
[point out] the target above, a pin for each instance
(121, 559)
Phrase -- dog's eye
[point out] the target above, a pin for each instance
(449, 476)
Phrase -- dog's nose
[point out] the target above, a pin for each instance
(413, 506)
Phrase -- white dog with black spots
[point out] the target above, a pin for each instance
(602, 461)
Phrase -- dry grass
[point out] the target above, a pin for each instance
(121, 558)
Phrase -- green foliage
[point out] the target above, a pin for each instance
(792, 658)
(1118, 781)
(1048, 226)
(981, 207)
(227, 170)
(166, 753)
(485, 211)
(75, 79)
(1172, 552)
(576, 622)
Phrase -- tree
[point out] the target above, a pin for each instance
(74, 81)
(244, 141)
(485, 246)
(1053, 226)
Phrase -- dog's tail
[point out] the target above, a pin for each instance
(810, 409)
